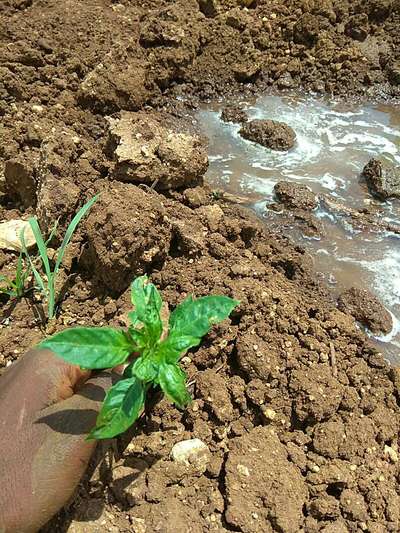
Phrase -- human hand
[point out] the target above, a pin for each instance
(47, 407)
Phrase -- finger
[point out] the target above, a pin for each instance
(63, 455)
(52, 453)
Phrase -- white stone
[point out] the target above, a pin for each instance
(243, 470)
(139, 525)
(10, 235)
(391, 453)
(269, 413)
(192, 452)
(37, 108)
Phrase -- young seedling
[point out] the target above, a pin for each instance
(16, 288)
(47, 284)
(157, 358)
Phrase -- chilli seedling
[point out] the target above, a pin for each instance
(157, 358)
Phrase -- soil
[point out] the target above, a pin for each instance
(383, 178)
(295, 195)
(299, 411)
(367, 309)
(270, 133)
(234, 113)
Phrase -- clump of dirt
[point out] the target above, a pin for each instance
(148, 150)
(293, 403)
(234, 113)
(367, 309)
(295, 195)
(383, 178)
(126, 235)
(265, 477)
(269, 133)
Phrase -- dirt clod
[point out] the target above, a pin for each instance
(295, 195)
(127, 231)
(147, 151)
(269, 133)
(367, 309)
(275, 491)
(383, 178)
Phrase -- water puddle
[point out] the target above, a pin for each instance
(334, 142)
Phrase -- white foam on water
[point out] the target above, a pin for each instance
(333, 143)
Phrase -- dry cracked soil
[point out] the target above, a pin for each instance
(299, 412)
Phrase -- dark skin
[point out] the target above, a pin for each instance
(47, 408)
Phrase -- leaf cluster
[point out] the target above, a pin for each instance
(157, 358)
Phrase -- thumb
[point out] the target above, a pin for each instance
(77, 415)
(62, 452)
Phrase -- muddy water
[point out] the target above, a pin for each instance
(334, 142)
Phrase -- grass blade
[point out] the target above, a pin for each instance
(71, 229)
(53, 232)
(36, 274)
(41, 245)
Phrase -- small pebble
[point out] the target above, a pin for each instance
(269, 413)
(37, 108)
(391, 453)
(242, 469)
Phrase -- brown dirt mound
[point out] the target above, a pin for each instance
(299, 412)
(295, 406)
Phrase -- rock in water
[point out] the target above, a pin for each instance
(367, 309)
(382, 178)
(269, 133)
(295, 195)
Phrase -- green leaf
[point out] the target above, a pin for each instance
(121, 408)
(147, 301)
(172, 381)
(145, 368)
(133, 318)
(94, 348)
(141, 293)
(41, 245)
(36, 274)
(192, 319)
(139, 338)
(171, 349)
(53, 232)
